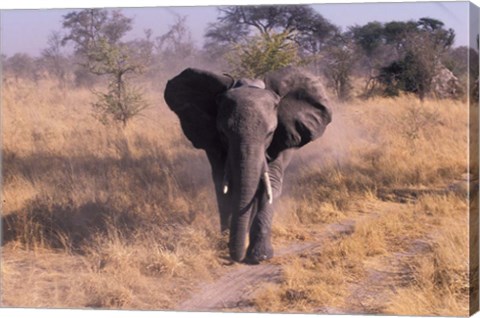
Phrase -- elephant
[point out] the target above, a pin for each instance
(249, 130)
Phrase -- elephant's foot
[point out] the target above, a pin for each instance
(259, 252)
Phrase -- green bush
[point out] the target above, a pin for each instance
(263, 53)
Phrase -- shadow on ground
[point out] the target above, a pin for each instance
(64, 226)
(137, 193)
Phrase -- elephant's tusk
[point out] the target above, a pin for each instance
(225, 184)
(268, 185)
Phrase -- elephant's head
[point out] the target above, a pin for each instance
(246, 126)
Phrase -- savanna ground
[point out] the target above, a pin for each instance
(373, 218)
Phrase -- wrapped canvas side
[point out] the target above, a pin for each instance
(474, 156)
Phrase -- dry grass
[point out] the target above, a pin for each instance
(125, 205)
(400, 147)
(326, 276)
(420, 251)
(439, 283)
(96, 216)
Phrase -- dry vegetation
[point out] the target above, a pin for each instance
(402, 165)
(122, 207)
(95, 216)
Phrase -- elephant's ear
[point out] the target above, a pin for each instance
(303, 112)
(191, 95)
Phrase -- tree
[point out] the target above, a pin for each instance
(415, 71)
(88, 26)
(456, 60)
(53, 59)
(263, 53)
(338, 59)
(301, 23)
(371, 52)
(396, 32)
(225, 32)
(84, 29)
(176, 47)
(221, 37)
(442, 39)
(97, 34)
(474, 73)
(122, 101)
(369, 37)
(307, 27)
(21, 66)
(275, 30)
(177, 40)
(403, 55)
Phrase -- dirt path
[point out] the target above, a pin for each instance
(233, 290)
(385, 274)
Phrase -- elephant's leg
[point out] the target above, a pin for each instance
(217, 162)
(260, 247)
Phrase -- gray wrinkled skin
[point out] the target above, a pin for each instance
(249, 129)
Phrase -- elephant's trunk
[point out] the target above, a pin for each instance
(246, 172)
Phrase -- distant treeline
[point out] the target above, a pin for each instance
(416, 56)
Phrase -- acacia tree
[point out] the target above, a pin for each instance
(97, 34)
(309, 29)
(297, 25)
(403, 55)
(263, 53)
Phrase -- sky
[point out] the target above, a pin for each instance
(27, 30)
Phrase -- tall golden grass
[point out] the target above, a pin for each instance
(409, 255)
(131, 209)
(100, 216)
